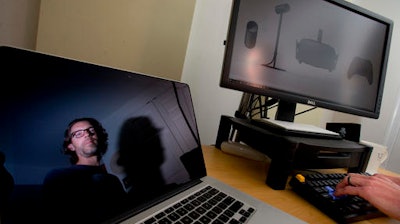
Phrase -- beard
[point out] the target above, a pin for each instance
(89, 148)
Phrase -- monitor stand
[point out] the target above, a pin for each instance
(242, 150)
(295, 129)
(252, 102)
(282, 124)
(286, 111)
(287, 153)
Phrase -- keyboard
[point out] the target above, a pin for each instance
(318, 189)
(209, 205)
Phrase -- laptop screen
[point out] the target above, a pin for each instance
(153, 145)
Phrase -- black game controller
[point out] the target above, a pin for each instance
(361, 67)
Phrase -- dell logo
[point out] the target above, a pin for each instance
(311, 102)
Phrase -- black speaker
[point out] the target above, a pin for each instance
(349, 131)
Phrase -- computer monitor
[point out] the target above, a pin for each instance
(324, 53)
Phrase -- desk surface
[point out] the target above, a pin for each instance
(249, 176)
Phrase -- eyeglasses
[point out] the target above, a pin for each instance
(81, 133)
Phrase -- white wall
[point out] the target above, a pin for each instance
(203, 64)
(18, 22)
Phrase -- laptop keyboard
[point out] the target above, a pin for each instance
(209, 205)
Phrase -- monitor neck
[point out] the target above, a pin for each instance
(286, 111)
(251, 104)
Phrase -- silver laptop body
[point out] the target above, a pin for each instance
(154, 147)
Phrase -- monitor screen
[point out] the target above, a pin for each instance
(151, 128)
(324, 53)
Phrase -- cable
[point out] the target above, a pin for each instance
(304, 111)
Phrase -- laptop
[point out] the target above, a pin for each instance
(158, 161)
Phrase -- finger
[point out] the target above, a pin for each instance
(348, 179)
(355, 179)
(342, 183)
(345, 181)
(348, 190)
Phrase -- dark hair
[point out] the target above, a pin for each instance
(102, 138)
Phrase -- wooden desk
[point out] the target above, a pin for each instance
(249, 176)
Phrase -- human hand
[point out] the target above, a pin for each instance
(380, 190)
